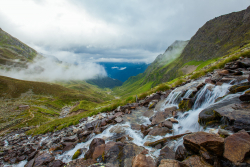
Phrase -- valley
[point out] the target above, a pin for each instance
(189, 107)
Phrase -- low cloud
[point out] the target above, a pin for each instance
(48, 69)
(122, 68)
(124, 31)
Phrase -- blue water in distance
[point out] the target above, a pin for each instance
(122, 71)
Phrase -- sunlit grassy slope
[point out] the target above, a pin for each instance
(46, 100)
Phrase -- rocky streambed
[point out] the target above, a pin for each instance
(203, 122)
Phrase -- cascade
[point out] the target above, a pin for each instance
(205, 98)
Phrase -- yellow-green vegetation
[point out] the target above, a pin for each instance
(58, 124)
(220, 63)
(85, 105)
(77, 154)
(45, 101)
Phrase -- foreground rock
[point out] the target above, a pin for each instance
(210, 142)
(142, 160)
(237, 115)
(93, 145)
(170, 163)
(195, 161)
(237, 147)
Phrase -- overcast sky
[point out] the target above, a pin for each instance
(108, 30)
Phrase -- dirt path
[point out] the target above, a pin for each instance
(25, 120)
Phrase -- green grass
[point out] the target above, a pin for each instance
(85, 105)
(46, 111)
(47, 100)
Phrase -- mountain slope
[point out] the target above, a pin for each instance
(154, 73)
(218, 37)
(46, 101)
(14, 52)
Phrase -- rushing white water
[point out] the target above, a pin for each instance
(206, 98)
(6, 143)
(188, 121)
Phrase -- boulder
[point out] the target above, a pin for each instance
(150, 98)
(245, 63)
(70, 139)
(170, 163)
(56, 163)
(99, 150)
(81, 163)
(206, 156)
(145, 130)
(164, 140)
(232, 65)
(118, 119)
(104, 122)
(224, 133)
(148, 113)
(210, 142)
(68, 146)
(159, 131)
(236, 114)
(173, 120)
(216, 77)
(95, 142)
(165, 153)
(32, 155)
(240, 87)
(167, 124)
(223, 72)
(237, 146)
(30, 163)
(43, 159)
(161, 116)
(181, 153)
(142, 160)
(89, 126)
(113, 153)
(117, 129)
(195, 161)
(245, 97)
(209, 113)
(118, 114)
(128, 153)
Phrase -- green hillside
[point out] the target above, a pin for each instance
(45, 100)
(218, 37)
(14, 52)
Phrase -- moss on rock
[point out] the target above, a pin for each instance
(186, 105)
(77, 154)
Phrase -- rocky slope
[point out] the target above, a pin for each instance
(160, 130)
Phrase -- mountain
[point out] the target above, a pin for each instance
(28, 103)
(14, 52)
(153, 75)
(217, 38)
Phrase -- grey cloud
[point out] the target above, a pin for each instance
(121, 30)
